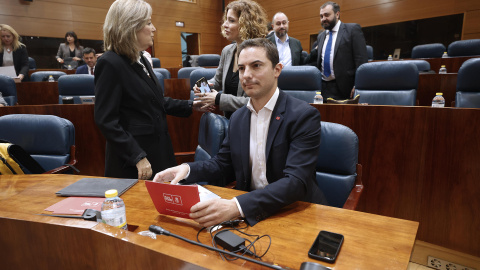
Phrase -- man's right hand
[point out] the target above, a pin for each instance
(174, 174)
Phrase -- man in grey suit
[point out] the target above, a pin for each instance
(289, 48)
(341, 50)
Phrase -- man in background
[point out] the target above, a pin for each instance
(90, 60)
(341, 50)
(289, 48)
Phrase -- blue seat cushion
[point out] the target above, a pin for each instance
(336, 188)
(405, 97)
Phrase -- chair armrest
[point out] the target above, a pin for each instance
(354, 197)
(64, 168)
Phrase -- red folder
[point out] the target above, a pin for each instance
(173, 200)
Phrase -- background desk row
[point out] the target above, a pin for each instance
(419, 163)
(39, 93)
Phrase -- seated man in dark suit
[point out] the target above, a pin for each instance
(274, 146)
(289, 48)
(90, 60)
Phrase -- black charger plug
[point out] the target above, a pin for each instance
(229, 241)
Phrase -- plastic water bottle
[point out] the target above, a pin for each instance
(445, 55)
(51, 79)
(318, 99)
(390, 58)
(438, 101)
(113, 210)
(69, 67)
(443, 70)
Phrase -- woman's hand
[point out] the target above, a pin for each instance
(76, 58)
(207, 99)
(144, 169)
(21, 77)
(60, 60)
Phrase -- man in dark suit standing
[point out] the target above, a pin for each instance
(289, 48)
(90, 59)
(271, 147)
(341, 50)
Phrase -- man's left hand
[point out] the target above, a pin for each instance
(215, 211)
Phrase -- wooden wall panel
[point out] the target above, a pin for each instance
(472, 22)
(304, 18)
(53, 18)
(38, 27)
(40, 9)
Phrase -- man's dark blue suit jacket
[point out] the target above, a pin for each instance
(83, 69)
(291, 154)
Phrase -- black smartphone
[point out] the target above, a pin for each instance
(326, 246)
(203, 85)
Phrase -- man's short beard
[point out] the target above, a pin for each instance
(331, 25)
(280, 34)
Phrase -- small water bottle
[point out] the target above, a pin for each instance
(69, 67)
(445, 55)
(318, 99)
(443, 70)
(390, 58)
(51, 79)
(438, 101)
(113, 210)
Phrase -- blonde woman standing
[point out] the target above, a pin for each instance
(13, 52)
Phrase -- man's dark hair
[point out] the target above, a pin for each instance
(335, 6)
(270, 48)
(88, 50)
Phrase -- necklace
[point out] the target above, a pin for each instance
(9, 50)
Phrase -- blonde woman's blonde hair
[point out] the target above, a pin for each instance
(252, 19)
(16, 38)
(124, 19)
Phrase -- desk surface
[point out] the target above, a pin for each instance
(371, 241)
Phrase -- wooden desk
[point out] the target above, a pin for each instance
(430, 84)
(37, 93)
(39, 242)
(419, 163)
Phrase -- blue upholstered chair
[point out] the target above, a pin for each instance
(469, 47)
(8, 90)
(156, 62)
(39, 76)
(423, 66)
(468, 84)
(301, 82)
(208, 60)
(76, 86)
(160, 78)
(32, 65)
(370, 52)
(184, 73)
(49, 139)
(338, 173)
(387, 83)
(212, 131)
(305, 55)
(166, 74)
(433, 50)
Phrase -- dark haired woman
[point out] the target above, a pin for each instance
(70, 52)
